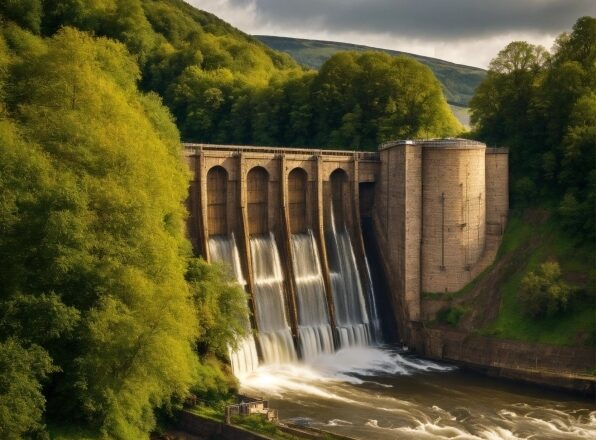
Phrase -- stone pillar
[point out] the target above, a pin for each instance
(320, 236)
(397, 220)
(357, 228)
(245, 242)
(204, 221)
(286, 235)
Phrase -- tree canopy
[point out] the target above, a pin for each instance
(92, 242)
(223, 86)
(543, 106)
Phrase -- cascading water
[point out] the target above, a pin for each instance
(314, 332)
(275, 337)
(375, 320)
(244, 358)
(348, 298)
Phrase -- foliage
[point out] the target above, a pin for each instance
(225, 87)
(214, 383)
(450, 315)
(543, 293)
(220, 303)
(528, 242)
(363, 99)
(458, 81)
(543, 106)
(92, 241)
(21, 399)
(26, 13)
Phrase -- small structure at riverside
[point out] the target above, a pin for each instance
(252, 407)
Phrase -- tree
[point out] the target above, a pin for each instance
(21, 399)
(221, 305)
(543, 293)
(95, 230)
(26, 13)
(542, 107)
(380, 98)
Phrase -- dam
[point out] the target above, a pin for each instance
(291, 224)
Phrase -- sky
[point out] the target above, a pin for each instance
(468, 32)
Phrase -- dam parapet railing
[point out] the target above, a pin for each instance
(191, 148)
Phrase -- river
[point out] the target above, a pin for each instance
(379, 393)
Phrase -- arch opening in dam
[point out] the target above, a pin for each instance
(289, 224)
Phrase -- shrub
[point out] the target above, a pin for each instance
(450, 315)
(543, 293)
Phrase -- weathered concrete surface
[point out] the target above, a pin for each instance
(556, 367)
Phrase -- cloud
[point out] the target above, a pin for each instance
(464, 31)
(424, 18)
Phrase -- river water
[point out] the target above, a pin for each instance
(377, 393)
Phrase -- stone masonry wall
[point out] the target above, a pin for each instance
(453, 216)
(497, 190)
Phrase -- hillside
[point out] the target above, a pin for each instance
(458, 81)
(492, 305)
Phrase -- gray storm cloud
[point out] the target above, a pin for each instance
(428, 19)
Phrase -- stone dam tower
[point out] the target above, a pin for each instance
(431, 211)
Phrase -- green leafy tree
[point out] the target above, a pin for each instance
(221, 305)
(21, 399)
(96, 240)
(26, 13)
(542, 107)
(543, 293)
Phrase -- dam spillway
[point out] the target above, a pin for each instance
(437, 209)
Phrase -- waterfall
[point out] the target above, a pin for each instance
(224, 249)
(375, 320)
(348, 297)
(275, 337)
(314, 332)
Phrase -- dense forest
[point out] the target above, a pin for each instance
(542, 105)
(222, 86)
(458, 81)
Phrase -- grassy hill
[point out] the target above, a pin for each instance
(490, 305)
(459, 81)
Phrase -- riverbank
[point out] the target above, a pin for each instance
(558, 367)
(248, 428)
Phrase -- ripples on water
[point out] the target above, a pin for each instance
(372, 393)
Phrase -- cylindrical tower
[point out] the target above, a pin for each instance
(453, 212)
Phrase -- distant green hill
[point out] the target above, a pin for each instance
(459, 81)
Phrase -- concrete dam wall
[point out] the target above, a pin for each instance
(288, 221)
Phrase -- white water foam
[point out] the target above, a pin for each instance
(351, 365)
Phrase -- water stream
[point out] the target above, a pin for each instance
(379, 393)
(314, 331)
(244, 358)
(275, 337)
(351, 314)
